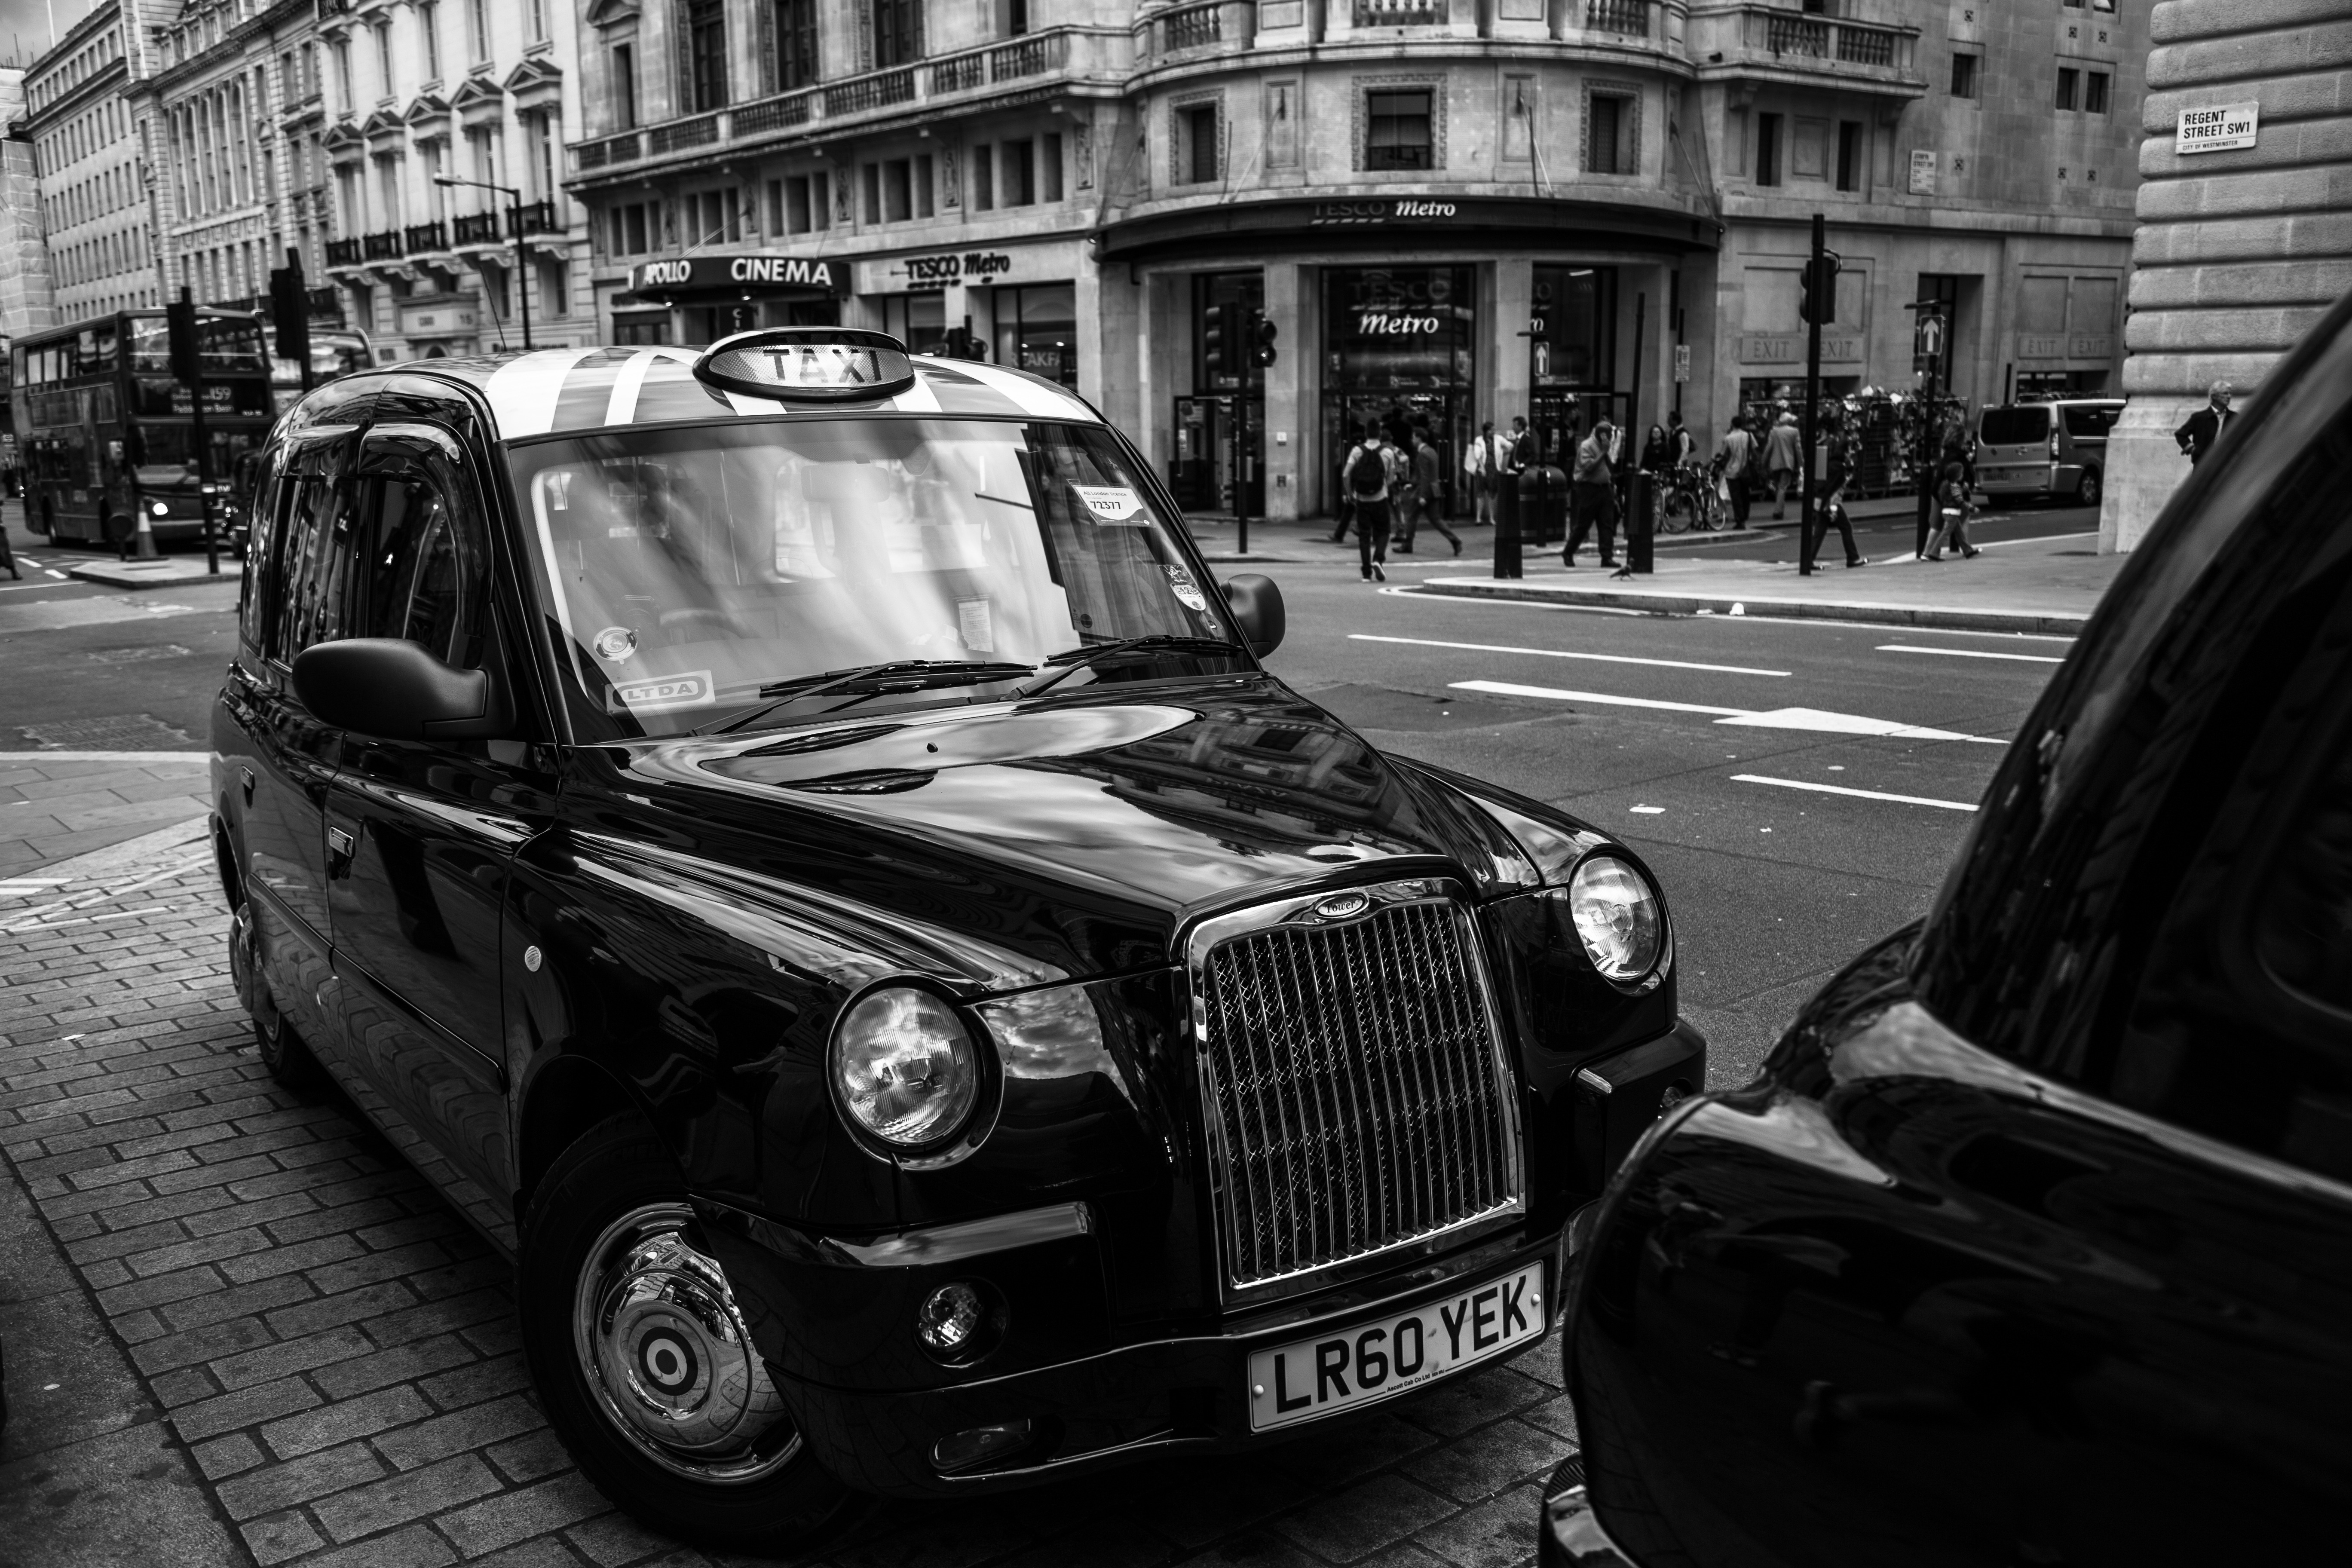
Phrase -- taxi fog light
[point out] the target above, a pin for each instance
(950, 1318)
(1616, 915)
(160, 509)
(977, 1445)
(905, 1067)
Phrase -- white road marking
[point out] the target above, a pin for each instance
(1648, 810)
(1857, 793)
(1561, 653)
(1812, 718)
(54, 572)
(1970, 653)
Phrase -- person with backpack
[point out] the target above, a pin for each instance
(1367, 477)
(1952, 504)
(1346, 508)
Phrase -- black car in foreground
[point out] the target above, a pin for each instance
(2033, 1243)
(794, 841)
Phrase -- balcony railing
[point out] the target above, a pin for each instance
(475, 228)
(1193, 26)
(970, 72)
(537, 217)
(1742, 36)
(342, 253)
(382, 246)
(1629, 18)
(422, 237)
(1399, 14)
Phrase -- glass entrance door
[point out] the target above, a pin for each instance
(1400, 353)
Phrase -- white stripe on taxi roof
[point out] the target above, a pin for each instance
(522, 393)
(621, 405)
(918, 398)
(1026, 394)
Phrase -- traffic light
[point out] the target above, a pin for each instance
(289, 310)
(1221, 342)
(1817, 288)
(179, 336)
(1263, 333)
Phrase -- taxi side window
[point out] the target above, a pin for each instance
(258, 584)
(313, 558)
(419, 576)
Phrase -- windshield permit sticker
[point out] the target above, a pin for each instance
(973, 622)
(1187, 592)
(660, 694)
(1113, 506)
(615, 644)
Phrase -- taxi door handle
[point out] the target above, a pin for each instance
(245, 776)
(339, 845)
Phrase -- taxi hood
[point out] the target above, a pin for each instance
(1081, 832)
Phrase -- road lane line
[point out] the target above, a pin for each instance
(1558, 653)
(1506, 689)
(1812, 718)
(1857, 793)
(1970, 653)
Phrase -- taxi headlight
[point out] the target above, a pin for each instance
(161, 509)
(1617, 916)
(905, 1067)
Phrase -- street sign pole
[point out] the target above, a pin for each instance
(1820, 302)
(1927, 334)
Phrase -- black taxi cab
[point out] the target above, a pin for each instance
(2032, 1242)
(794, 840)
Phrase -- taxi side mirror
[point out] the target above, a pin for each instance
(1256, 604)
(393, 690)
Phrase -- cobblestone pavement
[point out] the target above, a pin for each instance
(239, 1328)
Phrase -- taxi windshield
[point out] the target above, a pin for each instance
(710, 576)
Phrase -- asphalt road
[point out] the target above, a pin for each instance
(1711, 745)
(1641, 733)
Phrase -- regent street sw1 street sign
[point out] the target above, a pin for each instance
(2219, 128)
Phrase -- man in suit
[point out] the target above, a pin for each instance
(2201, 429)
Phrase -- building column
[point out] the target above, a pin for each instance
(1110, 309)
(1506, 368)
(1288, 439)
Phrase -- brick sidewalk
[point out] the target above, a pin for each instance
(322, 1351)
(54, 805)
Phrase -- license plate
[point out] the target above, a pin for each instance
(1369, 1362)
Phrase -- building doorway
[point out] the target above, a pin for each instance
(1401, 355)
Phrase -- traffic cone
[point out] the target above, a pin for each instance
(146, 550)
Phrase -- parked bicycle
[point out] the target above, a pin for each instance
(1688, 500)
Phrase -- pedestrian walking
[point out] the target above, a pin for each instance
(1952, 502)
(1735, 459)
(1480, 464)
(1783, 456)
(1345, 512)
(1426, 498)
(1369, 477)
(2201, 429)
(1829, 510)
(1596, 495)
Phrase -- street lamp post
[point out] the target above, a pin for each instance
(514, 208)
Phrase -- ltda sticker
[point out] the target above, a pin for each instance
(692, 689)
(1116, 505)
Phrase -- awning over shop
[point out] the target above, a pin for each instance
(717, 279)
(1382, 223)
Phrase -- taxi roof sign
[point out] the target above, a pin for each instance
(808, 365)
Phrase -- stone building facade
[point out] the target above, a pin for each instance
(472, 89)
(91, 163)
(27, 292)
(1467, 209)
(2238, 252)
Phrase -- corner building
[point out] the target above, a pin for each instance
(1453, 211)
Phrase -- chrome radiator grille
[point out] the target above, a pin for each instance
(1355, 1094)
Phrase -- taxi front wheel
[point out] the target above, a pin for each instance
(643, 1362)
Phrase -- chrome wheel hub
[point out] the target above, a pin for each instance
(665, 1351)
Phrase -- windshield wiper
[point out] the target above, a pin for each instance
(1071, 661)
(898, 674)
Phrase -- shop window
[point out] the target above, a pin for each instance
(2094, 92)
(1399, 132)
(983, 178)
(924, 186)
(897, 29)
(2067, 77)
(1195, 153)
(1849, 155)
(705, 56)
(794, 22)
(1767, 148)
(1017, 173)
(1049, 167)
(1037, 330)
(1609, 140)
(1964, 75)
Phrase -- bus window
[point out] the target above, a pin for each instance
(150, 345)
(230, 345)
